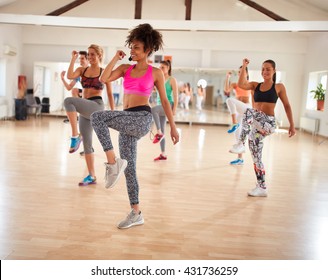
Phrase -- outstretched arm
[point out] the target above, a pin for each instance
(174, 85)
(288, 109)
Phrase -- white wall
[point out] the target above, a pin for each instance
(296, 54)
(11, 35)
(316, 60)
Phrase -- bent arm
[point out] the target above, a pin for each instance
(71, 74)
(109, 75)
(227, 85)
(67, 85)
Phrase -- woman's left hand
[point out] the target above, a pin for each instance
(175, 135)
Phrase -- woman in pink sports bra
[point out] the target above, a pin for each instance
(135, 120)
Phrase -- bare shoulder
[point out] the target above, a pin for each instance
(157, 73)
(280, 87)
(156, 70)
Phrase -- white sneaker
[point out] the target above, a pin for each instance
(258, 191)
(114, 171)
(133, 219)
(238, 148)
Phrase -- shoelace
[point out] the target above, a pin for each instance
(151, 135)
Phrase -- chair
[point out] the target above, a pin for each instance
(45, 105)
(32, 106)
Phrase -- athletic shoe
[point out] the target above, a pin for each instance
(158, 138)
(133, 219)
(82, 153)
(237, 161)
(160, 157)
(258, 191)
(75, 143)
(89, 180)
(234, 128)
(114, 172)
(66, 120)
(237, 149)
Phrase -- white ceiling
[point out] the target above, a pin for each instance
(295, 10)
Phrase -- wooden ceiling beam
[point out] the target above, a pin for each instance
(137, 9)
(188, 9)
(67, 7)
(263, 10)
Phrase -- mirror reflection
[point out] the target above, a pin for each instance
(208, 108)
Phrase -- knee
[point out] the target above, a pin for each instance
(68, 104)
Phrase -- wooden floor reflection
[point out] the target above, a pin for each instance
(194, 204)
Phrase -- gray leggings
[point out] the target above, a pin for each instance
(85, 107)
(160, 122)
(131, 125)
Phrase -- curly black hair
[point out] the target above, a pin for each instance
(151, 38)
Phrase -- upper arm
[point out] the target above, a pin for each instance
(248, 85)
(281, 91)
(118, 72)
(174, 85)
(159, 82)
(77, 73)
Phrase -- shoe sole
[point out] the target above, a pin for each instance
(264, 195)
(86, 184)
(125, 164)
(76, 148)
(160, 159)
(233, 130)
(133, 224)
(236, 152)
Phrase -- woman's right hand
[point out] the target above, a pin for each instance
(75, 54)
(120, 54)
(245, 61)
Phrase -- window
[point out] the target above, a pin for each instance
(315, 78)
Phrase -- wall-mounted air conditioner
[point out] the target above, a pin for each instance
(9, 50)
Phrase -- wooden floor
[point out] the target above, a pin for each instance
(194, 204)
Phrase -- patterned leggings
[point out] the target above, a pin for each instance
(257, 125)
(132, 125)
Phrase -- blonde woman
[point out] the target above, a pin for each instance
(90, 102)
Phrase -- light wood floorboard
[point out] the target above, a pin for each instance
(194, 204)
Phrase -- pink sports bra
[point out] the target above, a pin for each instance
(142, 86)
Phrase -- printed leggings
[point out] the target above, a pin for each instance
(257, 125)
(132, 125)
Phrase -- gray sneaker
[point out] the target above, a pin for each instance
(114, 171)
(258, 191)
(133, 219)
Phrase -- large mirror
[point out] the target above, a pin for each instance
(47, 82)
